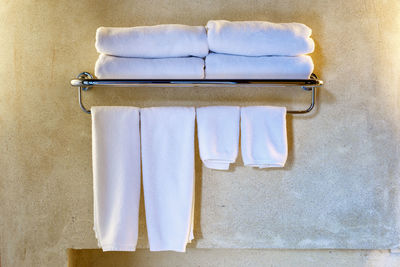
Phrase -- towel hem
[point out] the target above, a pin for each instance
(217, 164)
(262, 165)
(114, 247)
(169, 249)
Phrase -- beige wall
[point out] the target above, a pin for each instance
(340, 188)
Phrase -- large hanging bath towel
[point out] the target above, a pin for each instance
(167, 138)
(116, 176)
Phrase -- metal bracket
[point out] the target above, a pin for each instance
(83, 76)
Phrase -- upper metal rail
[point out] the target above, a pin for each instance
(85, 81)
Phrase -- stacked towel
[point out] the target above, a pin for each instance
(258, 50)
(110, 67)
(222, 66)
(249, 50)
(170, 51)
(218, 133)
(168, 40)
(168, 175)
(259, 38)
(263, 136)
(116, 176)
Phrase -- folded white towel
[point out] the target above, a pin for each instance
(110, 67)
(263, 136)
(221, 66)
(218, 133)
(169, 40)
(167, 138)
(116, 176)
(259, 38)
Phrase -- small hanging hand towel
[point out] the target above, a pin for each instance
(218, 133)
(167, 138)
(116, 176)
(263, 136)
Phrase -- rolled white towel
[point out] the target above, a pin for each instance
(222, 66)
(259, 38)
(168, 40)
(110, 67)
(263, 136)
(218, 133)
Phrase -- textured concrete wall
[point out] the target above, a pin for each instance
(340, 188)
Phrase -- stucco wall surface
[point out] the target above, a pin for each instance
(339, 189)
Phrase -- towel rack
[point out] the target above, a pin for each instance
(85, 81)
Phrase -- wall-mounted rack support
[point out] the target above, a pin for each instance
(85, 81)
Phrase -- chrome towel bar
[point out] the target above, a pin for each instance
(85, 81)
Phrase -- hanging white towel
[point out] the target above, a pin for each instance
(110, 67)
(168, 40)
(116, 176)
(263, 136)
(218, 133)
(167, 138)
(221, 66)
(259, 38)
